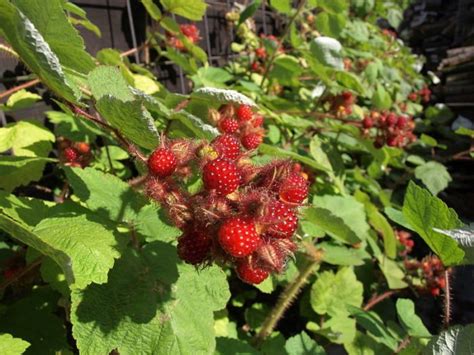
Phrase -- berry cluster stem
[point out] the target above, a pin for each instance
(28, 268)
(285, 300)
(377, 299)
(447, 300)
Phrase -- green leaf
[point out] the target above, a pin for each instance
(393, 273)
(249, 11)
(91, 247)
(222, 96)
(105, 194)
(351, 211)
(301, 344)
(327, 51)
(26, 138)
(335, 6)
(332, 293)
(151, 305)
(191, 9)
(33, 319)
(283, 6)
(364, 344)
(152, 9)
(331, 224)
(198, 127)
(286, 70)
(63, 39)
(381, 98)
(211, 77)
(341, 255)
(456, 340)
(12, 346)
(434, 176)
(319, 154)
(425, 212)
(107, 80)
(374, 325)
(349, 81)
(153, 225)
(19, 100)
(18, 171)
(279, 152)
(28, 211)
(330, 24)
(131, 118)
(410, 321)
(229, 346)
(338, 329)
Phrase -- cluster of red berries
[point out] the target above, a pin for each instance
(341, 105)
(389, 33)
(258, 64)
(389, 128)
(405, 240)
(244, 215)
(238, 124)
(190, 31)
(75, 154)
(432, 271)
(424, 94)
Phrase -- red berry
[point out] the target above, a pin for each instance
(402, 122)
(258, 121)
(238, 236)
(190, 31)
(252, 141)
(413, 96)
(227, 146)
(244, 113)
(221, 175)
(194, 246)
(392, 119)
(83, 147)
(162, 162)
(294, 189)
(261, 52)
(367, 122)
(228, 125)
(255, 66)
(249, 273)
(283, 221)
(70, 154)
(435, 291)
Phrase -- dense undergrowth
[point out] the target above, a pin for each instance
(284, 206)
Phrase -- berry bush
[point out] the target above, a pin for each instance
(287, 205)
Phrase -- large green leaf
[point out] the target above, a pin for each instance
(131, 119)
(283, 6)
(331, 224)
(26, 138)
(151, 305)
(105, 194)
(286, 69)
(221, 95)
(19, 100)
(12, 346)
(191, 9)
(465, 239)
(50, 20)
(330, 24)
(456, 340)
(434, 176)
(351, 211)
(17, 171)
(108, 80)
(332, 293)
(249, 11)
(381, 98)
(341, 255)
(424, 212)
(34, 51)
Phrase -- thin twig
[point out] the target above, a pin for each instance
(282, 38)
(377, 299)
(285, 300)
(404, 343)
(107, 152)
(18, 88)
(31, 266)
